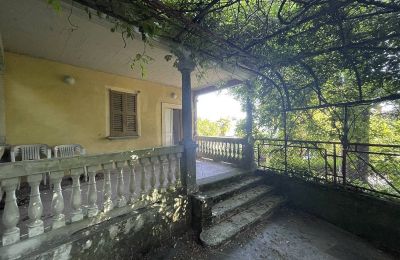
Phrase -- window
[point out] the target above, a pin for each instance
(123, 114)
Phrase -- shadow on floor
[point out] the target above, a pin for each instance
(288, 234)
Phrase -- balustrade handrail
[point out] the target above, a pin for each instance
(225, 139)
(226, 149)
(161, 165)
(25, 168)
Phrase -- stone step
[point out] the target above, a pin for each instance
(222, 179)
(233, 205)
(227, 190)
(229, 227)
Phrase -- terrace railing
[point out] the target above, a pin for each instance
(221, 149)
(373, 168)
(157, 169)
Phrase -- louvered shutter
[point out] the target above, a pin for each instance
(130, 115)
(123, 114)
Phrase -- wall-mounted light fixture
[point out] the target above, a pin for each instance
(69, 80)
(173, 95)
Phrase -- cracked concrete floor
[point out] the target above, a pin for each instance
(289, 234)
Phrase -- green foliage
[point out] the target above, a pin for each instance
(206, 127)
(301, 54)
(55, 4)
(240, 128)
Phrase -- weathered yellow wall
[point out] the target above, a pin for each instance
(41, 108)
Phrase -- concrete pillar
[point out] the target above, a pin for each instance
(188, 165)
(249, 151)
(195, 115)
(2, 97)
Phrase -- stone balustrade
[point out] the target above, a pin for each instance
(158, 170)
(221, 148)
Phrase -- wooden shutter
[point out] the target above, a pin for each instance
(123, 114)
(130, 115)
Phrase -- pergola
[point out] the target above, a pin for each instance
(292, 49)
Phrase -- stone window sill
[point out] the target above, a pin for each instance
(122, 137)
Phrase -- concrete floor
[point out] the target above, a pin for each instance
(208, 168)
(288, 234)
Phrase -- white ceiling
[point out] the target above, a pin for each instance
(34, 28)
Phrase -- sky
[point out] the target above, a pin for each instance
(219, 104)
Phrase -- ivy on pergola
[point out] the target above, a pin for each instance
(313, 53)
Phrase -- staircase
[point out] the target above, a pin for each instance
(223, 208)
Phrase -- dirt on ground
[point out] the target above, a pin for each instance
(289, 234)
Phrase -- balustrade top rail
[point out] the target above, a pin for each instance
(221, 139)
(24, 168)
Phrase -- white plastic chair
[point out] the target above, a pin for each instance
(68, 150)
(28, 152)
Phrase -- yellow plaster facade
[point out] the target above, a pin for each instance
(41, 108)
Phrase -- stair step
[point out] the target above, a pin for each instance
(230, 206)
(228, 228)
(222, 179)
(227, 190)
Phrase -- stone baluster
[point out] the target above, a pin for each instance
(199, 147)
(57, 202)
(178, 181)
(11, 212)
(143, 192)
(76, 196)
(92, 209)
(162, 159)
(153, 178)
(107, 192)
(121, 199)
(35, 208)
(170, 175)
(225, 150)
(236, 147)
(132, 182)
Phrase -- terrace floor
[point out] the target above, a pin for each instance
(289, 234)
(208, 168)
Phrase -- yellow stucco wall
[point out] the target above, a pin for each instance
(41, 108)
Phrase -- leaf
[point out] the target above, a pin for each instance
(55, 4)
(168, 57)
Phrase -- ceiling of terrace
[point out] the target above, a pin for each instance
(34, 28)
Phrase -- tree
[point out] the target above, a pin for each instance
(206, 127)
